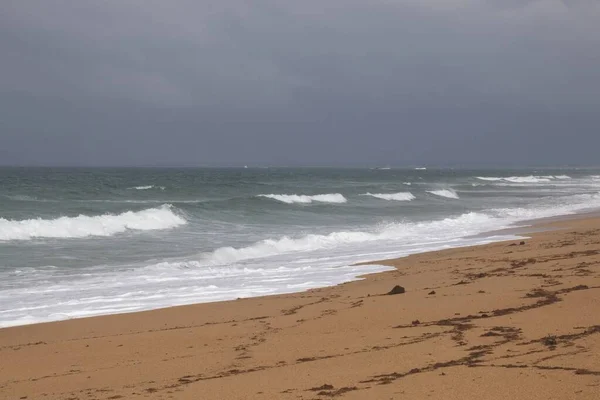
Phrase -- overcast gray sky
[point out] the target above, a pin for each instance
(311, 82)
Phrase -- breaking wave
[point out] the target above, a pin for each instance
(554, 206)
(82, 226)
(442, 230)
(462, 225)
(147, 187)
(304, 199)
(402, 196)
(524, 179)
(448, 193)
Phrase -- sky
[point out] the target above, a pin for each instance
(312, 82)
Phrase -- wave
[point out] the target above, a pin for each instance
(401, 196)
(437, 231)
(524, 179)
(448, 228)
(24, 197)
(448, 193)
(553, 206)
(147, 187)
(304, 199)
(83, 225)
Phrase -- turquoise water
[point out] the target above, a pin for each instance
(79, 242)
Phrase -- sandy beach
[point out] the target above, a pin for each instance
(505, 320)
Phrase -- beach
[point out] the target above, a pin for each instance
(300, 200)
(512, 319)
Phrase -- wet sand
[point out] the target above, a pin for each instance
(505, 320)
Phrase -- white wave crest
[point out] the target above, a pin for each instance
(524, 179)
(431, 230)
(489, 178)
(448, 193)
(401, 196)
(147, 187)
(83, 226)
(304, 199)
(552, 207)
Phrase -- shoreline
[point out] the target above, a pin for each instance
(363, 343)
(524, 227)
(485, 240)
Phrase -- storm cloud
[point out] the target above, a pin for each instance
(328, 82)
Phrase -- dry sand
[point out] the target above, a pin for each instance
(490, 322)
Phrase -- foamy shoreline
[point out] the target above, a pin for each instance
(530, 310)
(339, 274)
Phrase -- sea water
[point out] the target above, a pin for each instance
(83, 242)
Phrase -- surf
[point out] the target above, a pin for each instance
(82, 226)
(305, 199)
(147, 187)
(401, 196)
(447, 193)
(525, 179)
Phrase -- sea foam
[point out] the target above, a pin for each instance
(524, 179)
(147, 187)
(448, 193)
(162, 217)
(442, 230)
(401, 196)
(432, 230)
(304, 199)
(551, 207)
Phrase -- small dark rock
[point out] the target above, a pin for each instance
(521, 243)
(432, 292)
(396, 290)
(416, 322)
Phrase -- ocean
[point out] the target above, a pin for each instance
(83, 242)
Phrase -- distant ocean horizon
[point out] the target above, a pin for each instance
(77, 242)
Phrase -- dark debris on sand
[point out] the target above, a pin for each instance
(396, 290)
